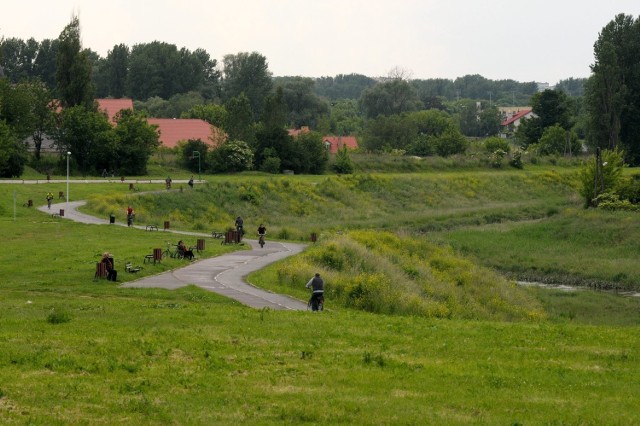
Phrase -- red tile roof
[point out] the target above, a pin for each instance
(296, 132)
(516, 117)
(112, 106)
(173, 130)
(337, 142)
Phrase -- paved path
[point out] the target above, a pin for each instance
(225, 274)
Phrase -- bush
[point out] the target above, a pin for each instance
(451, 142)
(601, 178)
(516, 160)
(343, 163)
(271, 165)
(497, 157)
(58, 316)
(493, 144)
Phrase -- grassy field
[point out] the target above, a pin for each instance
(74, 350)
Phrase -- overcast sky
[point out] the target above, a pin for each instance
(540, 40)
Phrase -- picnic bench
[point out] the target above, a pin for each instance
(151, 227)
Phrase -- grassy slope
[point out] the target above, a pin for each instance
(150, 356)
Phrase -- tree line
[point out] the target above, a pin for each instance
(242, 97)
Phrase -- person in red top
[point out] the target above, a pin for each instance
(130, 214)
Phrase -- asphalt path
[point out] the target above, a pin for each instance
(225, 274)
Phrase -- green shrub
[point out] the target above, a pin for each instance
(494, 143)
(58, 316)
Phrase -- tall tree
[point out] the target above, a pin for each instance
(117, 68)
(239, 120)
(275, 110)
(613, 90)
(73, 73)
(45, 63)
(551, 107)
(13, 154)
(389, 98)
(136, 141)
(247, 73)
(304, 107)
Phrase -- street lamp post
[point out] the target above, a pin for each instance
(194, 154)
(68, 154)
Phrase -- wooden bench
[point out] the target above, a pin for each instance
(151, 227)
(55, 214)
(216, 234)
(149, 258)
(131, 269)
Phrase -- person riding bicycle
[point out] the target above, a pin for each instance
(49, 199)
(239, 226)
(316, 284)
(130, 215)
(262, 231)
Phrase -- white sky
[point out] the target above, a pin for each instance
(539, 40)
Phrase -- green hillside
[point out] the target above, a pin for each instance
(421, 325)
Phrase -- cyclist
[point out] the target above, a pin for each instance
(262, 230)
(239, 226)
(316, 284)
(130, 215)
(49, 199)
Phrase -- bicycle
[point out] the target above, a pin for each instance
(261, 240)
(169, 252)
(318, 301)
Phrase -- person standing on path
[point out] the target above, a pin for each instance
(49, 199)
(190, 183)
(316, 284)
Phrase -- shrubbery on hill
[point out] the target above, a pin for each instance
(385, 273)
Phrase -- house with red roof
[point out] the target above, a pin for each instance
(517, 118)
(171, 130)
(335, 143)
(332, 143)
(174, 130)
(113, 106)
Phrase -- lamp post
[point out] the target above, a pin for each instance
(194, 154)
(68, 154)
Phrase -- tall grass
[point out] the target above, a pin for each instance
(385, 273)
(294, 207)
(589, 248)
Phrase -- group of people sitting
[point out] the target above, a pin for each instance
(184, 250)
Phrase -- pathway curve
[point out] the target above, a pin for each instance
(225, 274)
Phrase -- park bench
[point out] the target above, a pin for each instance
(151, 227)
(216, 234)
(56, 214)
(131, 269)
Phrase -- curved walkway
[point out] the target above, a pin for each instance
(223, 274)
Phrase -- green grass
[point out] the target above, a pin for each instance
(293, 207)
(188, 356)
(75, 350)
(587, 248)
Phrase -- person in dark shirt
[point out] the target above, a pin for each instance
(112, 274)
(316, 284)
